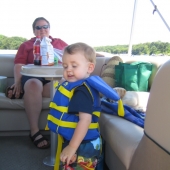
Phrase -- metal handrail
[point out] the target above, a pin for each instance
(156, 10)
(133, 19)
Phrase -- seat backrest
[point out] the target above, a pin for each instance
(157, 123)
(100, 63)
(7, 67)
(153, 151)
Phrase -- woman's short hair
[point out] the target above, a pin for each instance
(38, 19)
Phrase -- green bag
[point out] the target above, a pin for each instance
(133, 76)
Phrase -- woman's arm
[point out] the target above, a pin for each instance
(17, 80)
(17, 74)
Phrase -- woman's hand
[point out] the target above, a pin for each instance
(17, 84)
(17, 89)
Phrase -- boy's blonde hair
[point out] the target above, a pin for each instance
(88, 52)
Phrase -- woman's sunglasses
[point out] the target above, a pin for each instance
(40, 27)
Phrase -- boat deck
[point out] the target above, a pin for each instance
(19, 153)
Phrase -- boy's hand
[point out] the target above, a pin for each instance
(68, 155)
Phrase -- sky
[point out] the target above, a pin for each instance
(96, 22)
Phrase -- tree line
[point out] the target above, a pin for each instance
(153, 48)
(11, 43)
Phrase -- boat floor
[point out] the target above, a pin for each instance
(19, 153)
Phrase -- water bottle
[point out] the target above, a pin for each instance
(36, 51)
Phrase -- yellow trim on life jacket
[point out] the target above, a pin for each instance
(69, 124)
(46, 127)
(64, 109)
(61, 109)
(121, 111)
(88, 90)
(96, 113)
(66, 92)
(56, 84)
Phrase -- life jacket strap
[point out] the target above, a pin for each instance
(69, 124)
(46, 127)
(60, 141)
(63, 109)
(121, 111)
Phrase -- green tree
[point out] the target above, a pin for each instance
(11, 43)
(148, 48)
(157, 48)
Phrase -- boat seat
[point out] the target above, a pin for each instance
(153, 151)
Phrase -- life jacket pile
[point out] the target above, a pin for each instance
(135, 116)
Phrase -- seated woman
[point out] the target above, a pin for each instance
(33, 89)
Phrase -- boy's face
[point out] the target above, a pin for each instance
(76, 67)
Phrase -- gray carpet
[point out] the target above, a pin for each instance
(19, 153)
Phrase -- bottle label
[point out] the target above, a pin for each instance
(36, 49)
(47, 52)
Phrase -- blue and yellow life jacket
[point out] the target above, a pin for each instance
(63, 123)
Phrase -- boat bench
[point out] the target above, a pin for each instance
(126, 144)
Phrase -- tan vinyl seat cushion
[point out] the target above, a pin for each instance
(157, 121)
(6, 103)
(114, 127)
(108, 74)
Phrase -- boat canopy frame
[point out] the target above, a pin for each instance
(133, 21)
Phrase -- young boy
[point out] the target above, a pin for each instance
(75, 109)
(79, 62)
